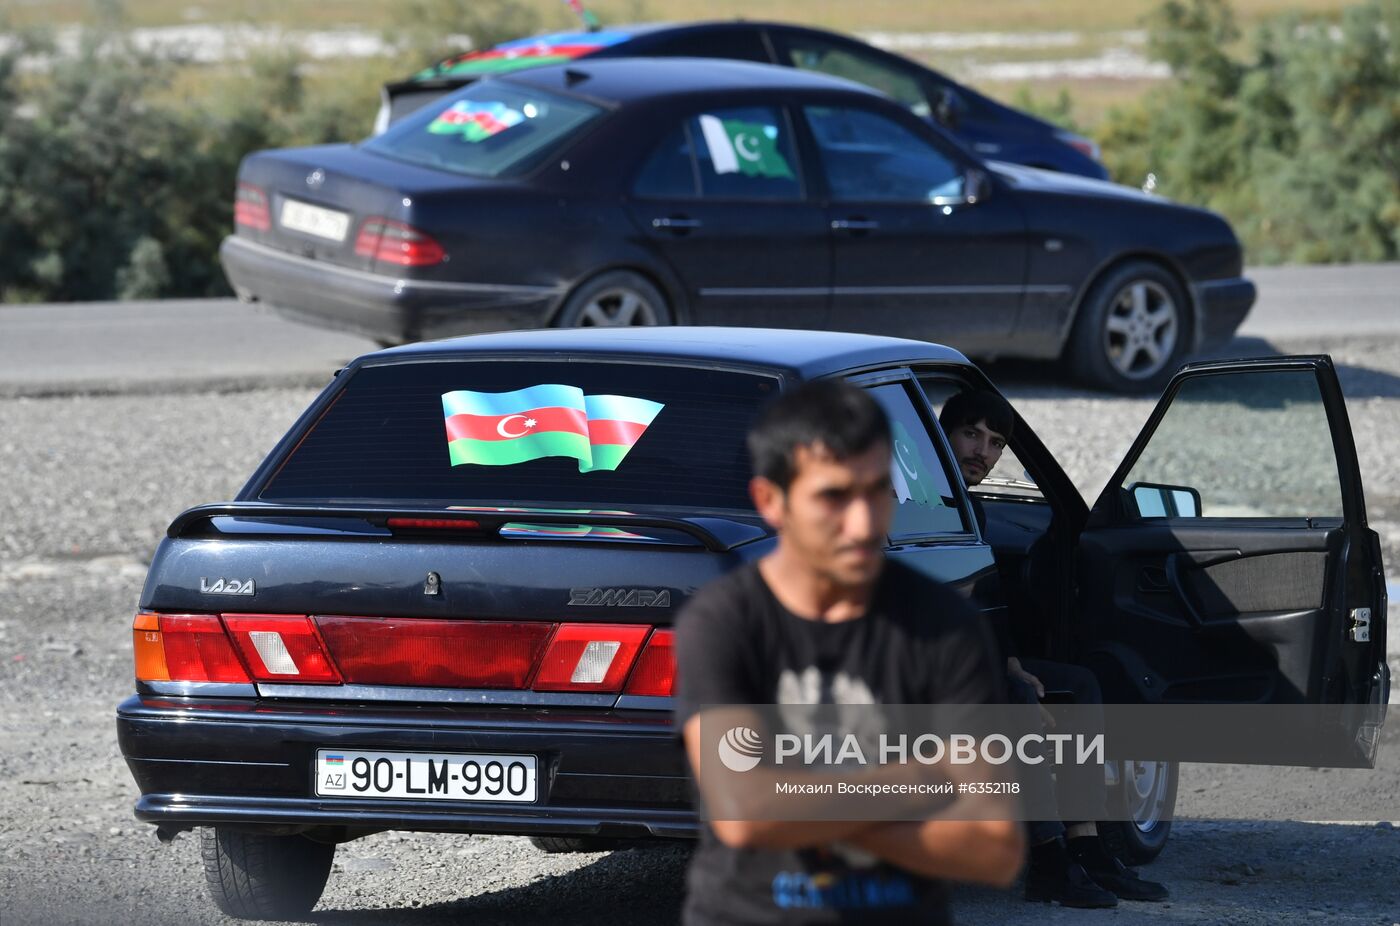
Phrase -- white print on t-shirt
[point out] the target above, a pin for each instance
(811, 687)
(799, 692)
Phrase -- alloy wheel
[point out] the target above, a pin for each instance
(618, 308)
(1147, 784)
(1141, 329)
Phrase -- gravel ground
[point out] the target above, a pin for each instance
(92, 482)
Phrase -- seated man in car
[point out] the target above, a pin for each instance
(1068, 861)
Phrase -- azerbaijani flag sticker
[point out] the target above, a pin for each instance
(335, 760)
(549, 420)
(475, 121)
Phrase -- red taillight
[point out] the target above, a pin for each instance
(590, 657)
(434, 524)
(434, 653)
(197, 649)
(396, 243)
(655, 674)
(281, 648)
(418, 652)
(250, 208)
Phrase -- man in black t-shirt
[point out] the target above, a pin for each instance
(825, 619)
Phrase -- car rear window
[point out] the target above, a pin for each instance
(489, 129)
(497, 433)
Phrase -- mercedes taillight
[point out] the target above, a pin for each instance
(250, 208)
(396, 243)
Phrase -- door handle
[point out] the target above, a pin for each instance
(1173, 571)
(854, 224)
(676, 222)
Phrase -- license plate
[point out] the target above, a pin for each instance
(426, 776)
(323, 223)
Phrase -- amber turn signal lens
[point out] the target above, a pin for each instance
(149, 649)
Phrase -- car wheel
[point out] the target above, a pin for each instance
(1142, 802)
(617, 299)
(253, 876)
(1133, 330)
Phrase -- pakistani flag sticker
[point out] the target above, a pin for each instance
(748, 148)
(550, 420)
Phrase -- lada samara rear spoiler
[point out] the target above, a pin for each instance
(717, 534)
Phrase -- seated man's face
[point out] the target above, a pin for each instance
(977, 449)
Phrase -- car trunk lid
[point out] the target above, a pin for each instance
(529, 604)
(319, 200)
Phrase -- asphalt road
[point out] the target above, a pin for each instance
(180, 345)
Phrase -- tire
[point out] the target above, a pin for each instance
(1133, 330)
(559, 844)
(257, 877)
(1143, 802)
(616, 299)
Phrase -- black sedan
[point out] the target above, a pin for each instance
(989, 128)
(444, 601)
(653, 192)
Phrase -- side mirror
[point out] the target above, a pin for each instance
(977, 186)
(1165, 501)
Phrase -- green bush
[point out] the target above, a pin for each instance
(115, 184)
(1296, 139)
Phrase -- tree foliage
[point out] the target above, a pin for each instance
(111, 186)
(1295, 138)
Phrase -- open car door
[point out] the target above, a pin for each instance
(1228, 562)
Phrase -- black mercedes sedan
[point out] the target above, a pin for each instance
(682, 191)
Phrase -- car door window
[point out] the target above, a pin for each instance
(927, 503)
(1009, 477)
(869, 157)
(1246, 445)
(902, 83)
(669, 173)
(744, 153)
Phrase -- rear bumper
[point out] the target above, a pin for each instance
(378, 305)
(1221, 308)
(605, 773)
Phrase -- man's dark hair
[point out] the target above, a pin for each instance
(841, 418)
(967, 408)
